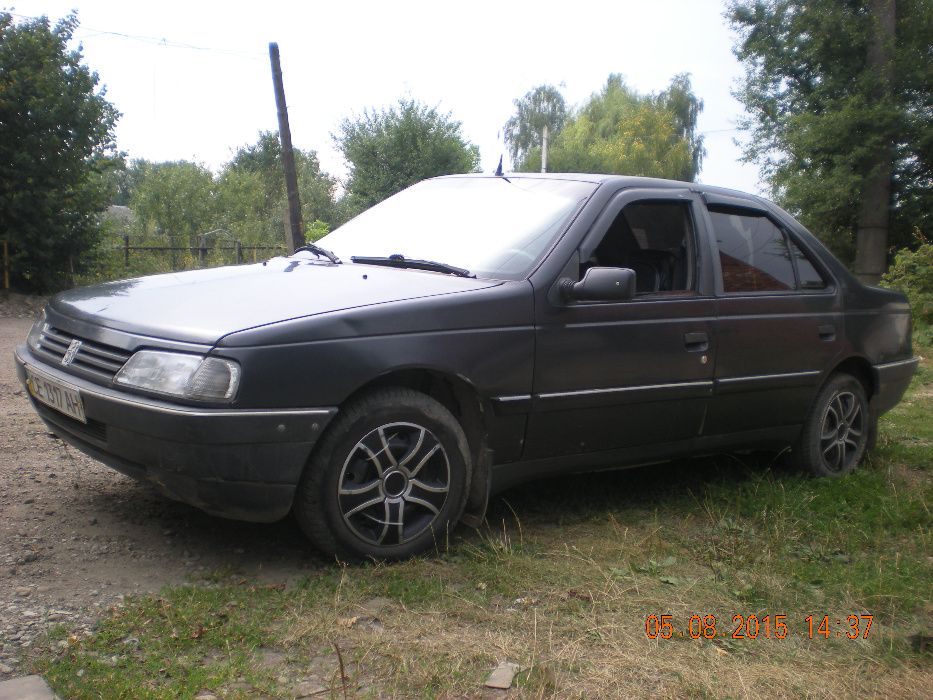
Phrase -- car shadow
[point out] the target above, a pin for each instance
(574, 497)
(193, 544)
(188, 544)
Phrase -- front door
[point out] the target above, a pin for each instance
(610, 375)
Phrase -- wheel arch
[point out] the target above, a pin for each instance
(861, 369)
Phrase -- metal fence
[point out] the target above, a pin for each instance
(120, 259)
(206, 256)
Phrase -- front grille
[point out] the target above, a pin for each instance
(93, 429)
(95, 360)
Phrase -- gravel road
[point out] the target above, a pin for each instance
(76, 537)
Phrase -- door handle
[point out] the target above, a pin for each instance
(827, 332)
(697, 341)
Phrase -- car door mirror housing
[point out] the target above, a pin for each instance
(601, 284)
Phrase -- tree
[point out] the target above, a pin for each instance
(541, 107)
(621, 131)
(262, 163)
(244, 208)
(175, 201)
(124, 177)
(685, 108)
(841, 117)
(396, 147)
(56, 142)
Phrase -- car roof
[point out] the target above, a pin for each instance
(623, 181)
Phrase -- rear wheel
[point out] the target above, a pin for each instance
(389, 479)
(836, 435)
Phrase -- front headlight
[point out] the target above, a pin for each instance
(38, 328)
(177, 374)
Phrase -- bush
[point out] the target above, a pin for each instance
(317, 230)
(912, 273)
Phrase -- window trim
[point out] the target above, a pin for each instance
(611, 212)
(828, 281)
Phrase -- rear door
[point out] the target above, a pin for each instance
(610, 375)
(779, 323)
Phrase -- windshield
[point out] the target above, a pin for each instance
(493, 227)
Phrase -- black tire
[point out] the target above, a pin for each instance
(388, 480)
(837, 431)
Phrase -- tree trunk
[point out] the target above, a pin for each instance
(871, 256)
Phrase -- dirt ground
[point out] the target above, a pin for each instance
(76, 536)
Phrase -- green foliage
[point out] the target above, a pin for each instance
(261, 163)
(620, 131)
(912, 273)
(391, 149)
(316, 230)
(816, 120)
(178, 203)
(540, 107)
(175, 201)
(245, 209)
(685, 107)
(56, 143)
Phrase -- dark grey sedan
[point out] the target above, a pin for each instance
(465, 335)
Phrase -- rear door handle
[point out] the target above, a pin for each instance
(697, 341)
(827, 332)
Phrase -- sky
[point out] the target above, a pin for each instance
(193, 80)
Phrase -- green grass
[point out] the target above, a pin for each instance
(561, 582)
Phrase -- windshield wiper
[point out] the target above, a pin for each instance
(319, 251)
(401, 261)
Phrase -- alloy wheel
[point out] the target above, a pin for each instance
(393, 484)
(841, 432)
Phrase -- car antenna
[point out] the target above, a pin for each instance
(498, 172)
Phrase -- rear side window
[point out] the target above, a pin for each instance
(753, 253)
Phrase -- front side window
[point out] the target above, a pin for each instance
(753, 252)
(655, 239)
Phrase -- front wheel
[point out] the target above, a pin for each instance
(836, 435)
(389, 479)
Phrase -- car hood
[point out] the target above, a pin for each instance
(202, 306)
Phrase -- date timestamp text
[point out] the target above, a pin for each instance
(771, 626)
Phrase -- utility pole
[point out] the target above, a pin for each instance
(295, 234)
(874, 213)
(544, 150)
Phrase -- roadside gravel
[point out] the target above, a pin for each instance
(76, 536)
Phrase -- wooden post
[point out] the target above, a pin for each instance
(202, 250)
(239, 253)
(126, 250)
(6, 264)
(295, 237)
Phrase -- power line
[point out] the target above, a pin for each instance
(156, 41)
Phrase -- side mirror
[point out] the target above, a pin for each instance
(601, 284)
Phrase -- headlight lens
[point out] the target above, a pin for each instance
(38, 328)
(178, 374)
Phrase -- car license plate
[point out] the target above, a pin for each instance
(56, 394)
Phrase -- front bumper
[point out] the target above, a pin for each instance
(236, 463)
